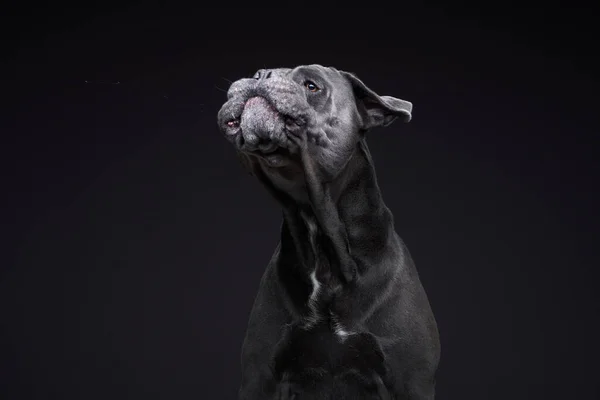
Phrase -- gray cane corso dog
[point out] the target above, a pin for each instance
(340, 313)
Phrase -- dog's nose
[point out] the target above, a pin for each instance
(263, 74)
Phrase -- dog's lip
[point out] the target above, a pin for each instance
(276, 157)
(271, 151)
(268, 149)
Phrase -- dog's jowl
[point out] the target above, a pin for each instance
(340, 312)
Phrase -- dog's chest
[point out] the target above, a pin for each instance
(324, 285)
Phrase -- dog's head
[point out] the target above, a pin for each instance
(332, 108)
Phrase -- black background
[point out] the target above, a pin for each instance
(135, 242)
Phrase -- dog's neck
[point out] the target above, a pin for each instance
(368, 222)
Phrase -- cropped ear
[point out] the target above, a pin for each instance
(377, 110)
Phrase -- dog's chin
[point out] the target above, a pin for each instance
(274, 158)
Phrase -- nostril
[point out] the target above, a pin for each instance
(268, 74)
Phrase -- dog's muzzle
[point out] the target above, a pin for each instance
(260, 114)
(260, 125)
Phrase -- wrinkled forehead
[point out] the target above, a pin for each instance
(325, 76)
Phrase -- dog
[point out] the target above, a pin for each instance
(340, 312)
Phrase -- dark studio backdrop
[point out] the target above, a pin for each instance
(134, 242)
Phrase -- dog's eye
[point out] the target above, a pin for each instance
(310, 85)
